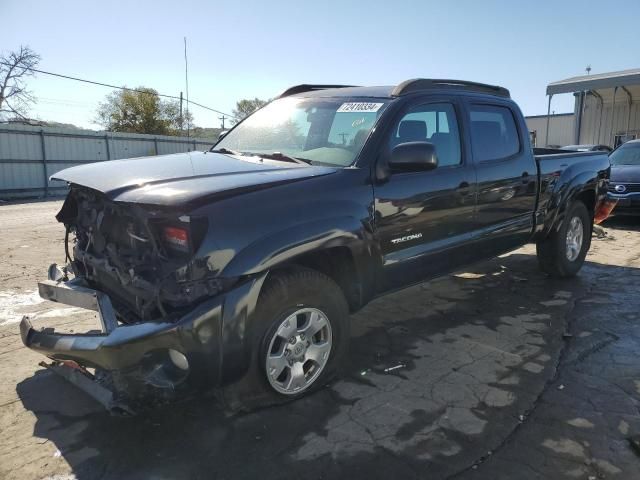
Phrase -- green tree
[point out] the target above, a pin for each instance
(246, 107)
(142, 111)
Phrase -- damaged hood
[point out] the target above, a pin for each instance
(170, 180)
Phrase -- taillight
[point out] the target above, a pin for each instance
(176, 238)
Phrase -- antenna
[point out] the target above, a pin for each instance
(186, 81)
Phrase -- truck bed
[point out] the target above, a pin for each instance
(561, 174)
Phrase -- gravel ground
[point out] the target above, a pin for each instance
(495, 372)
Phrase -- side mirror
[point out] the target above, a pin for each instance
(414, 156)
(222, 134)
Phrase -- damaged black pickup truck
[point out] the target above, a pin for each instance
(240, 265)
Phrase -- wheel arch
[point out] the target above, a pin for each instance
(581, 188)
(341, 248)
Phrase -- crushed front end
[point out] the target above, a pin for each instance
(142, 257)
(160, 308)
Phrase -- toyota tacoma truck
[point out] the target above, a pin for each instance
(239, 266)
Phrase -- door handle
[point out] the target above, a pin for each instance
(463, 188)
(525, 177)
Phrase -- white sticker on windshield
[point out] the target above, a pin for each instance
(359, 107)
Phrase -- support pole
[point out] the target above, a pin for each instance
(106, 142)
(629, 112)
(613, 112)
(585, 96)
(44, 163)
(599, 97)
(578, 112)
(546, 138)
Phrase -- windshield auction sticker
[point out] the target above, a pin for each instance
(359, 107)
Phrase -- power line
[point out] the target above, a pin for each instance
(68, 77)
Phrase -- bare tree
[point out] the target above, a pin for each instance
(15, 68)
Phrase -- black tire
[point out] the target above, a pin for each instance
(552, 251)
(284, 293)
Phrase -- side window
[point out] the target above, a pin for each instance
(435, 123)
(494, 135)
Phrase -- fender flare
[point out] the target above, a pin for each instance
(279, 248)
(563, 196)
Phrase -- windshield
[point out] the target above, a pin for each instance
(628, 154)
(319, 130)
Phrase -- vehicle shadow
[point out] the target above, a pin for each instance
(622, 223)
(438, 374)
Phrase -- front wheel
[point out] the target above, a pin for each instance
(562, 253)
(300, 339)
(298, 350)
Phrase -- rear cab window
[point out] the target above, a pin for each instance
(494, 135)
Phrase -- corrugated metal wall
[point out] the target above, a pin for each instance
(30, 155)
(602, 121)
(561, 129)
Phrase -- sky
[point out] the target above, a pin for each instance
(257, 48)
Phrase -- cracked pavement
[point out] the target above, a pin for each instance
(493, 372)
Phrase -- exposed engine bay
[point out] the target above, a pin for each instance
(142, 257)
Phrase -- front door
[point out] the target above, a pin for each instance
(424, 217)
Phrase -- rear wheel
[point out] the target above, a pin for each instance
(563, 252)
(301, 339)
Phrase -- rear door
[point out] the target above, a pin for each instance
(424, 218)
(506, 173)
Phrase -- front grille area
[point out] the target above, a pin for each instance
(629, 188)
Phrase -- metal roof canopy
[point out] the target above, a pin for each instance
(595, 82)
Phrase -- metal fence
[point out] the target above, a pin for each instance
(30, 155)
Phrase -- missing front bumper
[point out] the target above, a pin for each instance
(167, 357)
(88, 383)
(156, 356)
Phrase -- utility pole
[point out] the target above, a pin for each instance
(181, 118)
(222, 118)
(344, 137)
(186, 80)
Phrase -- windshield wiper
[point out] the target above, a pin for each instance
(226, 151)
(283, 157)
(270, 156)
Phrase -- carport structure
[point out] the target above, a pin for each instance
(607, 106)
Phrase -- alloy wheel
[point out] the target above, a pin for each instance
(298, 351)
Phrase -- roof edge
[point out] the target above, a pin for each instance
(595, 82)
